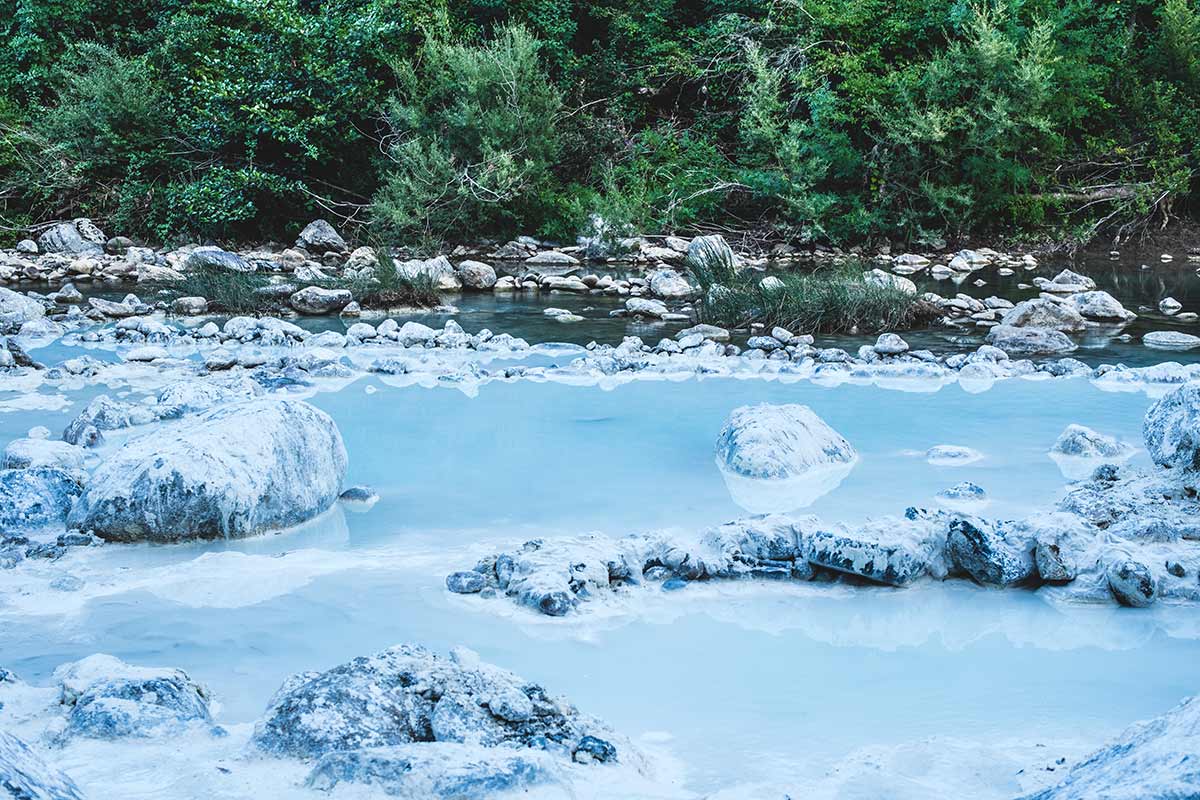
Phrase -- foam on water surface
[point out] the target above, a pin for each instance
(751, 688)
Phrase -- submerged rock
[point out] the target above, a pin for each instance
(235, 471)
(407, 694)
(1024, 341)
(952, 455)
(1170, 340)
(779, 441)
(24, 775)
(436, 770)
(1154, 760)
(1080, 441)
(109, 699)
(1172, 429)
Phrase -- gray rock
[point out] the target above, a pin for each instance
(466, 582)
(994, 554)
(1054, 564)
(889, 344)
(779, 441)
(1101, 306)
(66, 238)
(476, 275)
(17, 309)
(24, 775)
(190, 306)
(1171, 429)
(892, 563)
(407, 694)
(645, 307)
(1029, 341)
(36, 497)
(1152, 760)
(118, 245)
(316, 301)
(1046, 314)
(27, 247)
(319, 236)
(1171, 340)
(712, 250)
(109, 699)
(552, 259)
(235, 471)
(1132, 583)
(668, 283)
(217, 259)
(439, 270)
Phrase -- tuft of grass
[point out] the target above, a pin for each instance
(827, 300)
(385, 287)
(225, 290)
(247, 292)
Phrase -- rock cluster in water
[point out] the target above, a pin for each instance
(1128, 536)
(406, 721)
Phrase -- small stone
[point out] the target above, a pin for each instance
(465, 582)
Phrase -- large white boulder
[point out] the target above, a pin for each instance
(235, 471)
(779, 441)
(1154, 760)
(1171, 428)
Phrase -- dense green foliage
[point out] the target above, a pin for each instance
(836, 299)
(833, 120)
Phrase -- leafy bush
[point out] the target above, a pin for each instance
(473, 136)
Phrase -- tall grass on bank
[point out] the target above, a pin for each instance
(387, 287)
(834, 299)
(225, 290)
(251, 292)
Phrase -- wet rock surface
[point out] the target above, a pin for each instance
(237, 470)
(414, 721)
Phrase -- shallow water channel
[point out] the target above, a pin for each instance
(750, 687)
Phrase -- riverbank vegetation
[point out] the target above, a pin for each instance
(838, 121)
(837, 298)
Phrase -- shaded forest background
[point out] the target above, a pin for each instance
(839, 121)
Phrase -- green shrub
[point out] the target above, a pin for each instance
(473, 131)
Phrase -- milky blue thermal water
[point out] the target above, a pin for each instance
(748, 681)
